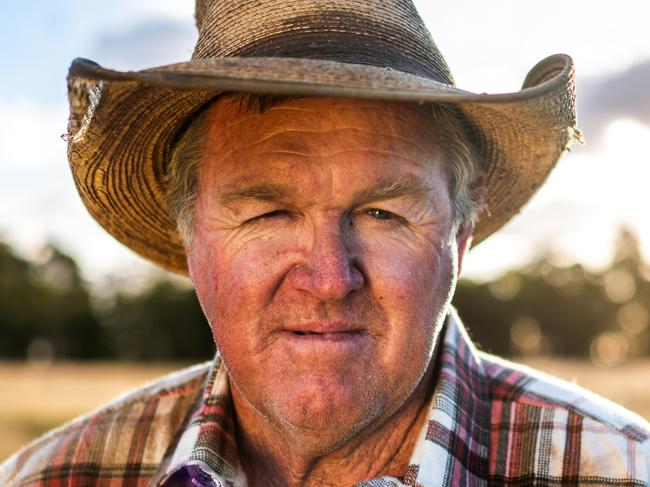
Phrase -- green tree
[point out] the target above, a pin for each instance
(162, 322)
(45, 309)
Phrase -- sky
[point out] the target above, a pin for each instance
(490, 46)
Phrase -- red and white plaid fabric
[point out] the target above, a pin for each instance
(490, 423)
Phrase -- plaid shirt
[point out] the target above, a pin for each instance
(490, 422)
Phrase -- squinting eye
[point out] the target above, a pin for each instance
(271, 214)
(268, 216)
(380, 214)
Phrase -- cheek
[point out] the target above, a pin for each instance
(235, 281)
(250, 275)
(413, 270)
(413, 285)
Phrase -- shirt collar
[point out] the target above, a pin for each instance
(452, 448)
(207, 447)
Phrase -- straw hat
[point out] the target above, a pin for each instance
(122, 124)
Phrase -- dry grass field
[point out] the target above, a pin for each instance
(34, 399)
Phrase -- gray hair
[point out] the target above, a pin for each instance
(182, 177)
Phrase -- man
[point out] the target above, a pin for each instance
(323, 217)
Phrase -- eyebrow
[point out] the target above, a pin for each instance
(382, 190)
(391, 188)
(260, 192)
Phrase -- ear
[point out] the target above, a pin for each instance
(463, 242)
(466, 230)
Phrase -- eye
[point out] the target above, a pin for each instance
(382, 218)
(381, 214)
(268, 216)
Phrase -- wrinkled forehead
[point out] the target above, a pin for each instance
(336, 148)
(294, 123)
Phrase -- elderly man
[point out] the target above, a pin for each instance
(323, 216)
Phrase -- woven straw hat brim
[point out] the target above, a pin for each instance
(122, 125)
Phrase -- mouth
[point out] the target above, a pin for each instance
(305, 333)
(324, 328)
(327, 335)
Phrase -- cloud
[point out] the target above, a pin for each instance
(30, 133)
(622, 95)
(152, 43)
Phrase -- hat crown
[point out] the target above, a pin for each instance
(385, 33)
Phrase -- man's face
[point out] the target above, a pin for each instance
(323, 257)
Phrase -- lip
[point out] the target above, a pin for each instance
(325, 337)
(334, 344)
(323, 328)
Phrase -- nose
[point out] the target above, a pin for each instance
(330, 270)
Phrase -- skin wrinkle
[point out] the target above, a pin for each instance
(316, 121)
(378, 463)
(298, 131)
(453, 145)
(360, 200)
(297, 152)
(281, 131)
(381, 463)
(329, 155)
(406, 121)
(406, 189)
(391, 279)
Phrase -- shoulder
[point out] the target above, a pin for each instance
(125, 439)
(545, 427)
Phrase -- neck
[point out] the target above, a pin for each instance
(277, 455)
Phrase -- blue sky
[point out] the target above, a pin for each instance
(41, 37)
(490, 46)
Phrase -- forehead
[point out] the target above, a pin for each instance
(236, 118)
(366, 135)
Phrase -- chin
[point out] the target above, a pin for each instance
(328, 407)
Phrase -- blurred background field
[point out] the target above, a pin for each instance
(37, 397)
